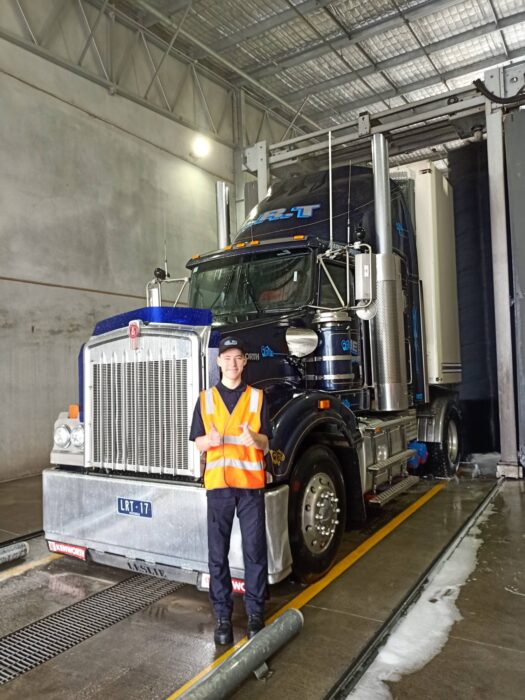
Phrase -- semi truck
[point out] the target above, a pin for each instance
(350, 323)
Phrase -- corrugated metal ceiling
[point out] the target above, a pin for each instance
(379, 53)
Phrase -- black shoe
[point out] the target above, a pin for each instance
(255, 624)
(223, 631)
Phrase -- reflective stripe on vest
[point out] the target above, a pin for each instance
(239, 463)
(208, 400)
(232, 464)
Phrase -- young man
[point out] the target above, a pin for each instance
(231, 425)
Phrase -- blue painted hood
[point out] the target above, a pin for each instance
(156, 314)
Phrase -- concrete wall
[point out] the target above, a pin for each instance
(90, 186)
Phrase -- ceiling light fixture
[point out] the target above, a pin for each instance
(200, 148)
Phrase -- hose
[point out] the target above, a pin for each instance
(515, 99)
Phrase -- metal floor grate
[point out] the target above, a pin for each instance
(44, 639)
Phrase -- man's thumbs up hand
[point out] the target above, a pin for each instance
(247, 435)
(214, 436)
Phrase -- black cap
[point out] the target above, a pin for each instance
(231, 343)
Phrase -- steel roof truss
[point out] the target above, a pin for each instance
(26, 22)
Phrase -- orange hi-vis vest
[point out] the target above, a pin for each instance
(232, 464)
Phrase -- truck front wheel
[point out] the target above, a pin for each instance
(317, 512)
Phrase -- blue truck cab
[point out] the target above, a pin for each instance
(330, 311)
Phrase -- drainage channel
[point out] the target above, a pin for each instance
(350, 678)
(44, 639)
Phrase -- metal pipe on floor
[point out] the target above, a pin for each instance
(13, 552)
(220, 682)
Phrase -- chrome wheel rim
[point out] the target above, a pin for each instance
(452, 442)
(320, 513)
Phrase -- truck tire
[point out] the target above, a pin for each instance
(444, 457)
(316, 489)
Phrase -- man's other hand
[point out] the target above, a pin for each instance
(247, 436)
(214, 437)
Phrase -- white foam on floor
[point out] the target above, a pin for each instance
(488, 458)
(423, 632)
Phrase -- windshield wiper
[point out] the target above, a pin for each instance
(251, 291)
(224, 291)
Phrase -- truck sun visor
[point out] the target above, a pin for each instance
(156, 314)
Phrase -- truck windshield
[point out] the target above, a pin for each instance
(277, 281)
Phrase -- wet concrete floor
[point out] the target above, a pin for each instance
(20, 507)
(155, 651)
(342, 619)
(485, 653)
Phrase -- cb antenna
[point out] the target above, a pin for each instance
(330, 203)
(166, 258)
(348, 203)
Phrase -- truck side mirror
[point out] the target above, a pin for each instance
(301, 341)
(365, 283)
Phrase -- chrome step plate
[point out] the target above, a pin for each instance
(383, 466)
(381, 498)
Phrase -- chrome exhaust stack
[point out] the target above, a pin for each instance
(387, 326)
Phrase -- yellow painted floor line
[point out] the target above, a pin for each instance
(29, 565)
(306, 596)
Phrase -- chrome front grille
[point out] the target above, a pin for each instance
(141, 407)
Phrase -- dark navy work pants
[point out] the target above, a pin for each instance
(249, 504)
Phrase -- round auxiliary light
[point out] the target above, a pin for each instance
(77, 437)
(62, 436)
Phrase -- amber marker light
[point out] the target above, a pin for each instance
(323, 404)
(195, 257)
(299, 237)
(254, 242)
(227, 247)
(73, 411)
(240, 245)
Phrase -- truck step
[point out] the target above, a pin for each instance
(379, 499)
(382, 466)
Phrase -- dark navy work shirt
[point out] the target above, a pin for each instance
(230, 398)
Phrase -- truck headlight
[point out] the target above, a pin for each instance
(62, 436)
(77, 437)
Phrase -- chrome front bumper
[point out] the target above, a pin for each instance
(168, 538)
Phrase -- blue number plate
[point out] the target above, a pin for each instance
(128, 506)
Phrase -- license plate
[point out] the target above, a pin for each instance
(128, 506)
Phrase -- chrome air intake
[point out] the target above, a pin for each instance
(334, 366)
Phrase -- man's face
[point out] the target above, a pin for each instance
(232, 362)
